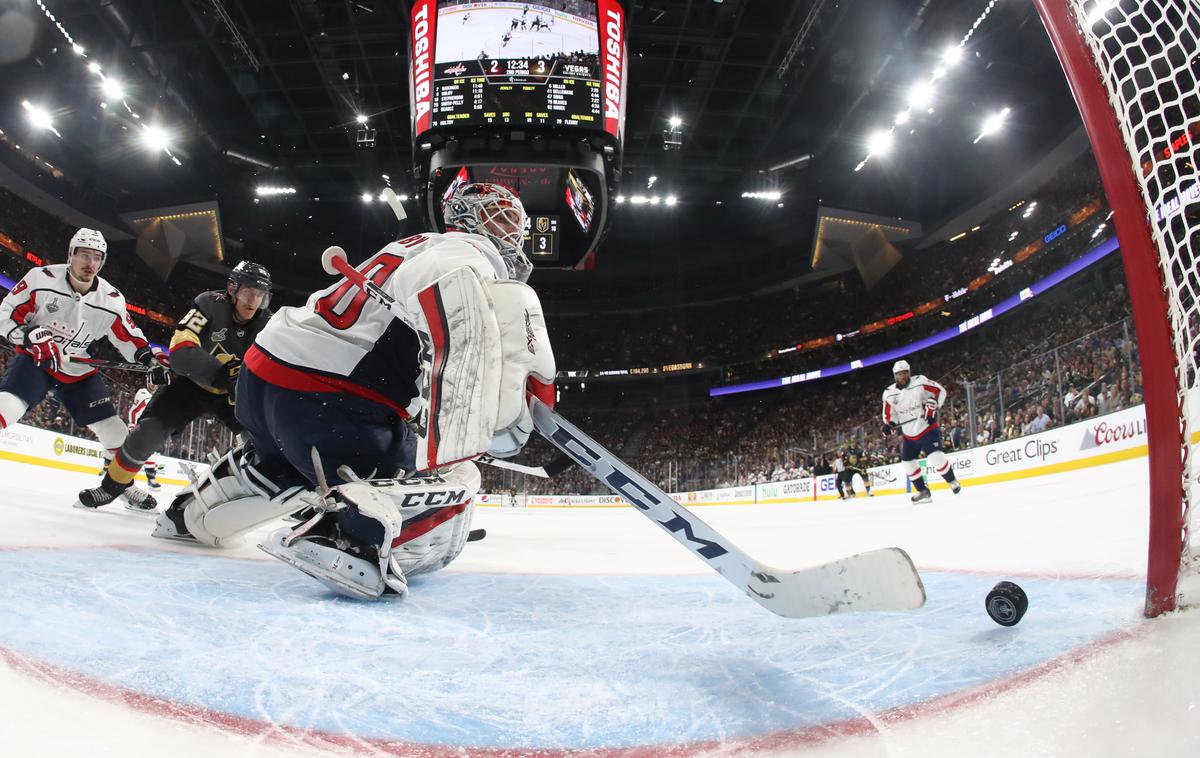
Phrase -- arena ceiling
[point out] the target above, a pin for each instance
(266, 92)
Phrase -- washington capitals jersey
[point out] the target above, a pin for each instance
(906, 406)
(207, 337)
(342, 341)
(44, 298)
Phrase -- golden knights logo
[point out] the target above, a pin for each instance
(543, 224)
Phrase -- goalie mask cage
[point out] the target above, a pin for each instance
(1132, 66)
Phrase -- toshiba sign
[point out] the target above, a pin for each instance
(424, 23)
(612, 57)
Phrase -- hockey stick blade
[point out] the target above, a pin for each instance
(879, 580)
(118, 365)
(537, 471)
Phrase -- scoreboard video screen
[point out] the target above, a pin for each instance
(519, 64)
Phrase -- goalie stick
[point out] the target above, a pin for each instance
(879, 580)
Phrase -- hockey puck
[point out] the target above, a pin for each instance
(1006, 603)
(475, 535)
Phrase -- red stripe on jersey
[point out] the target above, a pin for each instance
(183, 344)
(24, 309)
(935, 391)
(136, 413)
(543, 391)
(922, 434)
(887, 412)
(120, 332)
(427, 523)
(270, 370)
(3, 423)
(435, 317)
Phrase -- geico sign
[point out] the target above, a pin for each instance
(828, 484)
(1104, 433)
(1031, 450)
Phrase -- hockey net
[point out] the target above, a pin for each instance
(1133, 67)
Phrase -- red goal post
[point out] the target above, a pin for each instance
(1133, 67)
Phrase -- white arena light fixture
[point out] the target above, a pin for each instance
(675, 122)
(403, 198)
(880, 142)
(654, 200)
(952, 55)
(112, 89)
(361, 118)
(620, 199)
(773, 195)
(155, 137)
(267, 190)
(639, 199)
(78, 48)
(367, 197)
(993, 124)
(921, 95)
(93, 67)
(671, 200)
(902, 118)
(39, 117)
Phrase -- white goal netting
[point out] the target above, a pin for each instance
(1147, 53)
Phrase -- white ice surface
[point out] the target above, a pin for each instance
(1139, 695)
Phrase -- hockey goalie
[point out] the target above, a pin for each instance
(367, 424)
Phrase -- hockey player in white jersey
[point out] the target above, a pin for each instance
(141, 399)
(340, 389)
(911, 405)
(52, 316)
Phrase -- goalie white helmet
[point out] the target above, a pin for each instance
(89, 238)
(496, 213)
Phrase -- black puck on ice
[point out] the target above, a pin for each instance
(475, 535)
(1006, 603)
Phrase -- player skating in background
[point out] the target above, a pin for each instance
(340, 388)
(848, 463)
(150, 467)
(52, 316)
(206, 351)
(911, 405)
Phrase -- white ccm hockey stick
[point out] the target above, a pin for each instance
(879, 580)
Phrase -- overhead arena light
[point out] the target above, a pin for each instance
(94, 67)
(367, 197)
(267, 190)
(620, 199)
(921, 95)
(361, 118)
(880, 142)
(112, 89)
(155, 137)
(952, 55)
(773, 196)
(671, 200)
(675, 122)
(39, 117)
(993, 123)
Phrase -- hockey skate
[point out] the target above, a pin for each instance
(955, 487)
(170, 525)
(139, 501)
(91, 499)
(153, 484)
(924, 496)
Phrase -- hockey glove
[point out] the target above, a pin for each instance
(890, 427)
(158, 363)
(227, 377)
(931, 410)
(43, 349)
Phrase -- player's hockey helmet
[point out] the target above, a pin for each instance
(899, 366)
(251, 274)
(89, 238)
(496, 213)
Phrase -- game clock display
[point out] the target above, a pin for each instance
(517, 63)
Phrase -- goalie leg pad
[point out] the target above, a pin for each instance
(417, 525)
(12, 408)
(232, 498)
(461, 370)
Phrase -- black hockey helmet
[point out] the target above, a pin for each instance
(251, 274)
